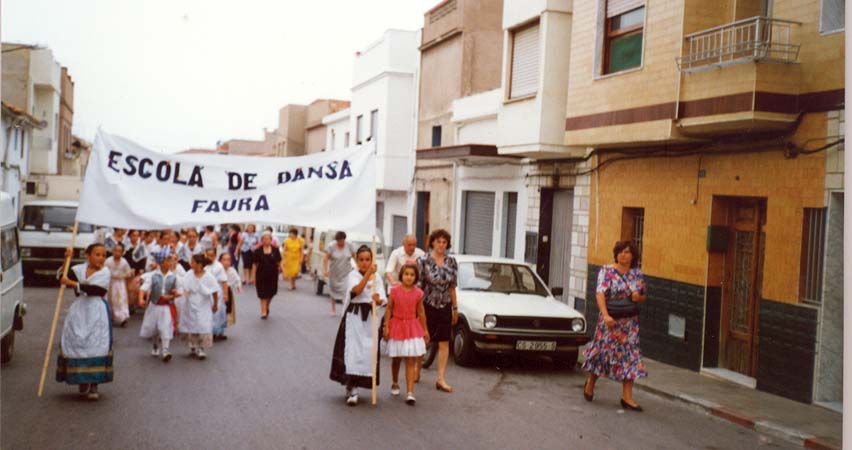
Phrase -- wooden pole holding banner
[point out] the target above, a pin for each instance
(375, 351)
(56, 310)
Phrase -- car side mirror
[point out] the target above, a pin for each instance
(557, 291)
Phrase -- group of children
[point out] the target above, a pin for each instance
(404, 330)
(187, 290)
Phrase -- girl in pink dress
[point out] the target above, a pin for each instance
(405, 327)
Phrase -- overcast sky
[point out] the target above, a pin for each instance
(175, 74)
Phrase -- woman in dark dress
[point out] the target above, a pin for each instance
(267, 258)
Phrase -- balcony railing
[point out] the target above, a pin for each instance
(753, 39)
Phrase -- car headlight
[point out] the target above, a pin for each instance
(26, 252)
(490, 321)
(577, 325)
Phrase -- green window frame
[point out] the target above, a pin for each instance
(624, 41)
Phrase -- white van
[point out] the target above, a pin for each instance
(326, 238)
(12, 306)
(45, 228)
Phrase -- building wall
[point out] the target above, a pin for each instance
(66, 121)
(676, 231)
(440, 84)
(15, 142)
(338, 124)
(291, 129)
(44, 153)
(17, 88)
(315, 139)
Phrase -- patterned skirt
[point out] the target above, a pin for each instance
(615, 352)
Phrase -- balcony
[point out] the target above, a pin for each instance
(754, 39)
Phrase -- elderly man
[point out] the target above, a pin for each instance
(399, 257)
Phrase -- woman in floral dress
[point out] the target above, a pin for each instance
(615, 352)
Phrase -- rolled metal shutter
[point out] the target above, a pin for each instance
(400, 224)
(525, 62)
(478, 222)
(616, 7)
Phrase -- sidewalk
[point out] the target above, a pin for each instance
(810, 426)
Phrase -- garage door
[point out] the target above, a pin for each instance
(478, 222)
(400, 225)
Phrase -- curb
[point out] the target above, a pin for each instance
(788, 434)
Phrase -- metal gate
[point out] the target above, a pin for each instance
(478, 222)
(560, 239)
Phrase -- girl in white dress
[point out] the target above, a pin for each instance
(202, 300)
(220, 318)
(119, 271)
(85, 355)
(162, 287)
(351, 363)
(235, 286)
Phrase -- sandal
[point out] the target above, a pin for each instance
(443, 387)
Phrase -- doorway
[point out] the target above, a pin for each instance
(556, 221)
(741, 283)
(421, 225)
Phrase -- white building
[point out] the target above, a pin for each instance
(382, 112)
(15, 141)
(519, 191)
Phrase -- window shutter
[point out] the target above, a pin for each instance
(525, 62)
(616, 7)
(478, 222)
(833, 15)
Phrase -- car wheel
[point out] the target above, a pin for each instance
(463, 352)
(566, 360)
(319, 286)
(7, 347)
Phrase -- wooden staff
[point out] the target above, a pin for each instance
(56, 310)
(375, 330)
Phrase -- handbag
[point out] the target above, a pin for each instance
(622, 307)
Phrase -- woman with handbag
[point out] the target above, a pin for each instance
(615, 352)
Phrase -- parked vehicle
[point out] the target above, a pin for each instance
(325, 238)
(45, 233)
(12, 306)
(504, 307)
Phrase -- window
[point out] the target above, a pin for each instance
(832, 16)
(813, 250)
(346, 140)
(624, 31)
(331, 144)
(358, 121)
(9, 247)
(374, 125)
(531, 247)
(23, 136)
(436, 136)
(633, 227)
(525, 62)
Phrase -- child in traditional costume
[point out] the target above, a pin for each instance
(85, 355)
(136, 256)
(120, 272)
(202, 300)
(220, 318)
(405, 328)
(162, 287)
(351, 364)
(234, 286)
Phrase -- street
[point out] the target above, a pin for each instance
(267, 386)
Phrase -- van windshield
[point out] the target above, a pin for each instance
(52, 218)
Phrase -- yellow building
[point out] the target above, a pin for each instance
(714, 130)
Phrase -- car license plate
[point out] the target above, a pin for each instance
(536, 346)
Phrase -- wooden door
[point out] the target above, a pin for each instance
(740, 290)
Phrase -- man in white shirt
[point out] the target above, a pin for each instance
(401, 256)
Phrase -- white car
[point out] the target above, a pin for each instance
(45, 233)
(504, 307)
(12, 306)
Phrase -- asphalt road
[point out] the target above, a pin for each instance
(267, 386)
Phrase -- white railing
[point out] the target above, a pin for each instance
(753, 39)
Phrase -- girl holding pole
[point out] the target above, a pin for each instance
(352, 359)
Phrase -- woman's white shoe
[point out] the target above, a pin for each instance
(395, 389)
(410, 399)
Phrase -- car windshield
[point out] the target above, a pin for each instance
(52, 218)
(499, 277)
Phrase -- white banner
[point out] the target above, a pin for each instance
(129, 186)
